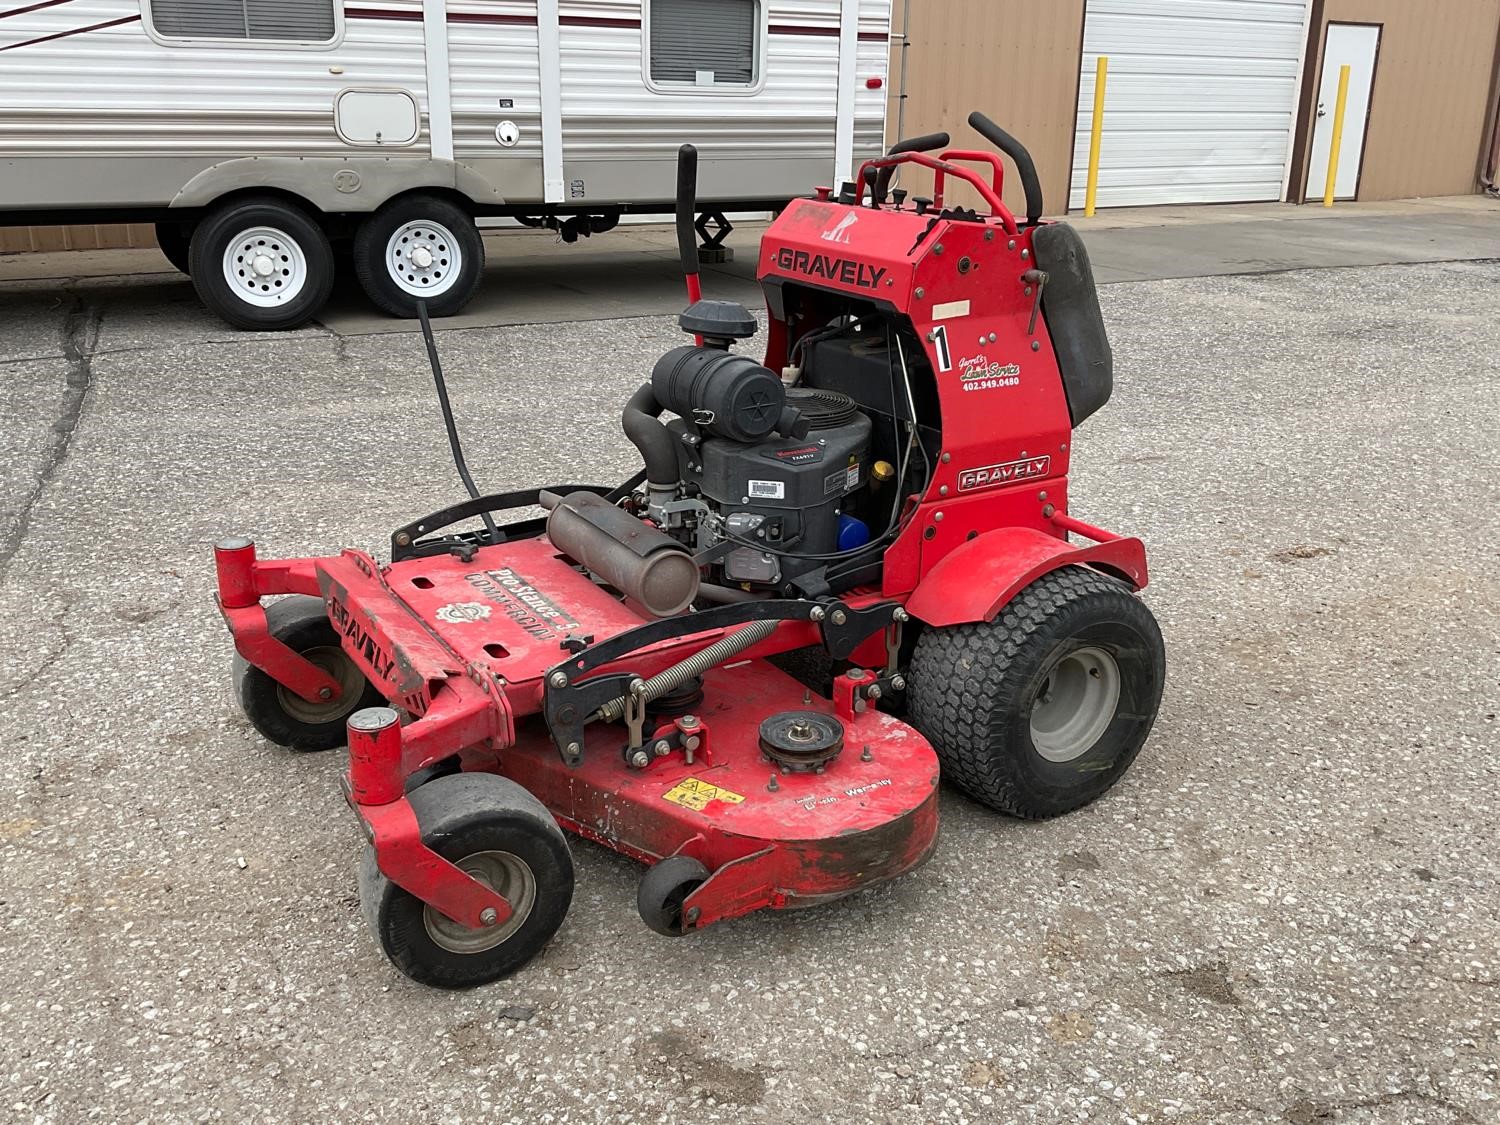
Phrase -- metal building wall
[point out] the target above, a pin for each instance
(1017, 62)
(1431, 98)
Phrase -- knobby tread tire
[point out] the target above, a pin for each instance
(972, 685)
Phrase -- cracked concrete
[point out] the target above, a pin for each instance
(80, 332)
(1289, 911)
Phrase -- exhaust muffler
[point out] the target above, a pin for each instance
(645, 564)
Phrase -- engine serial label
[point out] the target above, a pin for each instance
(990, 475)
(767, 490)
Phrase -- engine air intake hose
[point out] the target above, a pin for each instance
(642, 426)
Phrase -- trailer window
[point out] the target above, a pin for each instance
(704, 42)
(303, 21)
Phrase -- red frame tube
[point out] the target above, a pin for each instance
(997, 206)
(997, 171)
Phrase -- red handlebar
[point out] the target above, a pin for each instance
(941, 169)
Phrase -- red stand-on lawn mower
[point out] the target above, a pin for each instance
(880, 508)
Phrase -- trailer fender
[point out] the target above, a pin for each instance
(976, 580)
(335, 183)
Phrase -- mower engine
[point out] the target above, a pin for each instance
(754, 478)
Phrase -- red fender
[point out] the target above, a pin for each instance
(975, 580)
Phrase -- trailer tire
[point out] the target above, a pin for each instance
(261, 263)
(447, 273)
(301, 623)
(1041, 710)
(497, 831)
(174, 240)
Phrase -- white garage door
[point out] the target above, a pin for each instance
(1200, 100)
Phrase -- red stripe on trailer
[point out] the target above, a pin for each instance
(491, 18)
(799, 29)
(32, 8)
(597, 21)
(75, 31)
(413, 14)
(830, 32)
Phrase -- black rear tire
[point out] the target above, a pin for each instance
(446, 234)
(987, 695)
(298, 259)
(663, 890)
(173, 239)
(493, 828)
(301, 623)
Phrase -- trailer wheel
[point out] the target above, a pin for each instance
(498, 832)
(419, 248)
(261, 264)
(663, 890)
(1043, 709)
(173, 239)
(284, 717)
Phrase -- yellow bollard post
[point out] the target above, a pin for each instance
(1338, 135)
(1091, 192)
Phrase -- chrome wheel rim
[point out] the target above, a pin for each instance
(1075, 705)
(331, 659)
(265, 267)
(423, 258)
(508, 876)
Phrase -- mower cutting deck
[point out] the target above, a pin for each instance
(887, 491)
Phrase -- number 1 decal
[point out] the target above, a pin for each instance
(940, 340)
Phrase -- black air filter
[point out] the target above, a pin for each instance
(824, 410)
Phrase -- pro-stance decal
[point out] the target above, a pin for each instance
(522, 602)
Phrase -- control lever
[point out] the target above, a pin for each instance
(1036, 279)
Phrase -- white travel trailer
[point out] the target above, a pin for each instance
(259, 135)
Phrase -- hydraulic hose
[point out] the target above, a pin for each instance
(695, 665)
(643, 427)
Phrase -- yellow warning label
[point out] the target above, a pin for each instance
(695, 793)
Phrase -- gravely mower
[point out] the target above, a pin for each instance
(887, 492)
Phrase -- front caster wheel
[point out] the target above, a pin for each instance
(1043, 709)
(500, 834)
(663, 890)
(280, 714)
